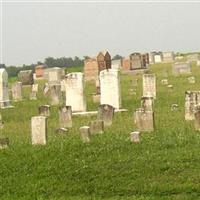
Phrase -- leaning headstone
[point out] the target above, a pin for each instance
(75, 97)
(181, 68)
(106, 114)
(110, 88)
(4, 142)
(44, 110)
(17, 91)
(190, 103)
(39, 130)
(135, 137)
(34, 90)
(65, 116)
(26, 77)
(55, 94)
(85, 134)
(149, 85)
(4, 95)
(191, 79)
(96, 126)
(147, 103)
(144, 120)
(197, 118)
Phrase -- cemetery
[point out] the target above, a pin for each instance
(110, 135)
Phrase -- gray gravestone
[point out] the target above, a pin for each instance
(135, 137)
(85, 134)
(147, 103)
(96, 126)
(65, 116)
(26, 77)
(44, 110)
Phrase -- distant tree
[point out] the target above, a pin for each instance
(117, 57)
(2, 66)
(86, 57)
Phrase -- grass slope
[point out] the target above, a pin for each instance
(165, 165)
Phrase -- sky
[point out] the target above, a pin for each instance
(30, 32)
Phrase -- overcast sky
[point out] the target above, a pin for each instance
(34, 31)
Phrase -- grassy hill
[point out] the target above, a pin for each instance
(164, 165)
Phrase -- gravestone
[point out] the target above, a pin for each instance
(4, 142)
(34, 90)
(149, 85)
(85, 134)
(46, 89)
(54, 75)
(75, 97)
(96, 126)
(144, 120)
(181, 68)
(55, 94)
(44, 110)
(197, 118)
(110, 88)
(190, 103)
(147, 103)
(106, 114)
(61, 131)
(39, 130)
(26, 77)
(4, 95)
(135, 137)
(65, 116)
(17, 91)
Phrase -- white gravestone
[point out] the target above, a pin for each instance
(17, 91)
(74, 86)
(4, 95)
(110, 88)
(149, 85)
(54, 75)
(38, 130)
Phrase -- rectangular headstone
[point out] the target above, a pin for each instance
(55, 94)
(110, 88)
(181, 68)
(38, 130)
(65, 116)
(149, 85)
(75, 97)
(26, 77)
(17, 91)
(96, 126)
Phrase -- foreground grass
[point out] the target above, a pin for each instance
(165, 165)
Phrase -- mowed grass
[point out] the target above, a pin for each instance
(164, 165)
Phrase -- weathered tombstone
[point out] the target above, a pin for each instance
(147, 103)
(26, 77)
(190, 103)
(106, 114)
(34, 90)
(135, 136)
(110, 88)
(181, 68)
(149, 85)
(54, 75)
(85, 134)
(74, 85)
(17, 91)
(4, 142)
(174, 107)
(197, 118)
(39, 130)
(164, 81)
(4, 95)
(44, 110)
(191, 79)
(96, 126)
(65, 116)
(144, 120)
(55, 94)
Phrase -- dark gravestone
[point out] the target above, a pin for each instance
(65, 116)
(106, 113)
(26, 77)
(44, 110)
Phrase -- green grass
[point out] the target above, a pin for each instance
(165, 165)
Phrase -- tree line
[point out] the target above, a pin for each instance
(49, 62)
